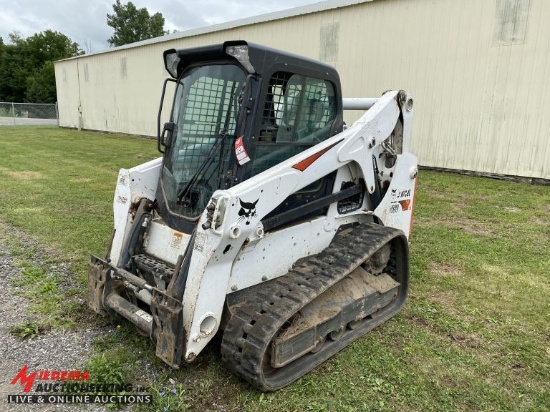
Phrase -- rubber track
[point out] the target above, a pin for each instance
(254, 324)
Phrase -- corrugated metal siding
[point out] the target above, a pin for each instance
(66, 78)
(479, 71)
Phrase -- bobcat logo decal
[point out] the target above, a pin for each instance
(248, 210)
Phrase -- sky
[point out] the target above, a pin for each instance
(85, 21)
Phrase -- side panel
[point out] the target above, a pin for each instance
(273, 255)
(216, 248)
(396, 207)
(265, 258)
(165, 243)
(132, 185)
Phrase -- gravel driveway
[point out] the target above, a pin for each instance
(54, 350)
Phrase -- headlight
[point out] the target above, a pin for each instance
(171, 61)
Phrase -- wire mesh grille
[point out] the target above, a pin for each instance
(206, 108)
(297, 107)
(298, 113)
(201, 151)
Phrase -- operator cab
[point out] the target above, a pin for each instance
(240, 109)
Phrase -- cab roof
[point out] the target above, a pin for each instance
(263, 60)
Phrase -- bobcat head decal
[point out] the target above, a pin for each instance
(248, 210)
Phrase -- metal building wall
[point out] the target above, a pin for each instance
(67, 84)
(115, 92)
(479, 71)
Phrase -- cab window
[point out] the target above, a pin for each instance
(299, 112)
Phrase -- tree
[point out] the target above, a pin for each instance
(26, 66)
(16, 37)
(132, 24)
(13, 73)
(51, 46)
(1, 50)
(41, 85)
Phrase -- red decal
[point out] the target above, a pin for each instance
(240, 151)
(405, 204)
(304, 164)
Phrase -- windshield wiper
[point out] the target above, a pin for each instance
(184, 192)
(229, 108)
(206, 162)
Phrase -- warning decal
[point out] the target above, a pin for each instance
(240, 152)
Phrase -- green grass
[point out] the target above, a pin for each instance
(474, 334)
(27, 330)
(58, 185)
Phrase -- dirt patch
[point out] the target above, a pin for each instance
(499, 271)
(448, 382)
(540, 221)
(28, 210)
(476, 228)
(419, 321)
(26, 175)
(466, 340)
(445, 269)
(467, 225)
(80, 180)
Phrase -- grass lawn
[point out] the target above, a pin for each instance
(474, 334)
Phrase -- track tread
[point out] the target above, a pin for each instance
(253, 326)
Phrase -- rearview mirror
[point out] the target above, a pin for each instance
(166, 136)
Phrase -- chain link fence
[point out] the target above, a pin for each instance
(28, 114)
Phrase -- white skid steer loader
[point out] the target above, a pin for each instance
(265, 219)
